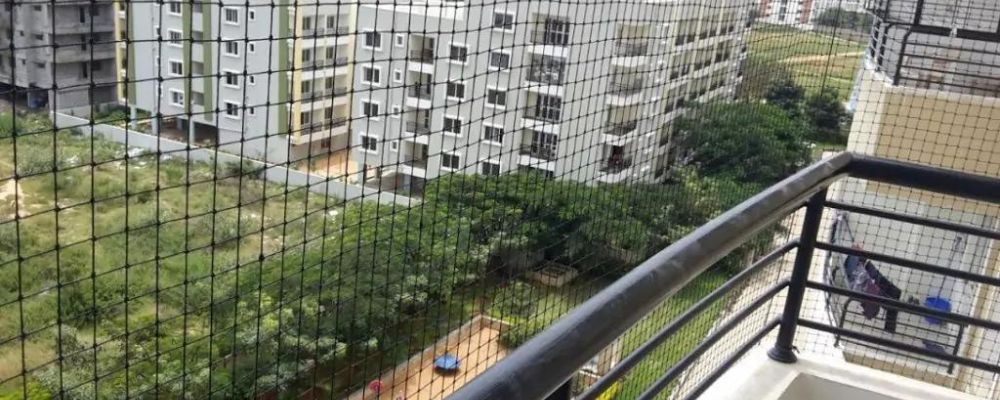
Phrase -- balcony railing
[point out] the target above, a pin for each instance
(737, 311)
(539, 151)
(630, 49)
(423, 56)
(616, 165)
(419, 128)
(325, 63)
(625, 88)
(321, 126)
(620, 128)
(550, 37)
(547, 76)
(316, 95)
(420, 91)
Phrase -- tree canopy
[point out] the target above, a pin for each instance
(745, 141)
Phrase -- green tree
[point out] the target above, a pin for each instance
(826, 114)
(744, 141)
(783, 92)
(761, 75)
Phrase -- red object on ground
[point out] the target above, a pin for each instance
(375, 386)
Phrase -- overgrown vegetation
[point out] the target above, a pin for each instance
(212, 282)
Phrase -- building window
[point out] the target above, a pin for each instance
(493, 134)
(252, 47)
(369, 143)
(197, 68)
(231, 15)
(176, 68)
(503, 21)
(548, 108)
(371, 75)
(307, 23)
(458, 53)
(369, 109)
(252, 14)
(174, 37)
(373, 40)
(231, 79)
(397, 111)
(232, 110)
(232, 48)
(252, 80)
(450, 161)
(252, 111)
(400, 40)
(176, 97)
(174, 7)
(394, 145)
(500, 60)
(397, 76)
(456, 90)
(496, 97)
(453, 125)
(490, 168)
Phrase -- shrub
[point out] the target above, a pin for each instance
(516, 335)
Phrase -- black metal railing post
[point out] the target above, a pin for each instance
(783, 350)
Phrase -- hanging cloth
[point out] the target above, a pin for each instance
(885, 289)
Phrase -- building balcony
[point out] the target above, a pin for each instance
(420, 163)
(624, 48)
(68, 54)
(620, 128)
(324, 63)
(545, 76)
(423, 56)
(420, 91)
(417, 128)
(550, 38)
(325, 94)
(540, 152)
(813, 313)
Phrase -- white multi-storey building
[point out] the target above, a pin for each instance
(582, 90)
(264, 80)
(796, 13)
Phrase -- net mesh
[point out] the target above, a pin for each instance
(351, 199)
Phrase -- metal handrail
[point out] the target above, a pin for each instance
(545, 363)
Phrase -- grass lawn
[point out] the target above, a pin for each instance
(817, 60)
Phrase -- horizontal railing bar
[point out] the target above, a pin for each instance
(545, 362)
(918, 176)
(900, 346)
(904, 306)
(917, 265)
(732, 359)
(709, 341)
(640, 353)
(934, 223)
(906, 325)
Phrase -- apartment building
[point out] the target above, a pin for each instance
(554, 87)
(58, 55)
(928, 93)
(798, 13)
(266, 81)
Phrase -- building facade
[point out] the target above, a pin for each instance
(58, 55)
(268, 81)
(928, 94)
(557, 88)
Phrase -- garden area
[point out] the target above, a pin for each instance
(153, 276)
(814, 60)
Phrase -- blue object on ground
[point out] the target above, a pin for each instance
(446, 362)
(939, 304)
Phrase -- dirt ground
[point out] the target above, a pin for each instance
(477, 352)
(337, 165)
